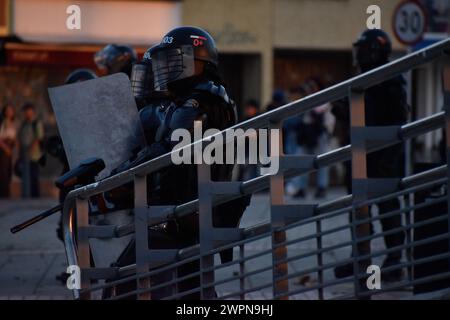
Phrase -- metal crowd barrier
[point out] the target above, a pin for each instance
(299, 240)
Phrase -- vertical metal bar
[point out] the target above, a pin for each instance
(242, 271)
(278, 237)
(141, 235)
(359, 173)
(446, 84)
(206, 231)
(409, 199)
(319, 257)
(175, 285)
(84, 255)
(409, 250)
(354, 254)
(113, 291)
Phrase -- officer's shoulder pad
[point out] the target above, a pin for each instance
(214, 89)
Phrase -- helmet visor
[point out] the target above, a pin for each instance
(172, 64)
(141, 80)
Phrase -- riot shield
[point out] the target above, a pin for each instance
(99, 118)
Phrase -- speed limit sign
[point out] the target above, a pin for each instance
(410, 22)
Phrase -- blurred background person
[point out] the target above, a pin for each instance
(291, 129)
(31, 136)
(341, 113)
(115, 58)
(8, 138)
(251, 109)
(249, 171)
(313, 139)
(278, 100)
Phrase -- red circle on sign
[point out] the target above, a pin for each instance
(423, 10)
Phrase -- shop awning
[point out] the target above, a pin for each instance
(52, 55)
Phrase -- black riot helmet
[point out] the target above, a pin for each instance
(372, 49)
(115, 58)
(80, 75)
(184, 53)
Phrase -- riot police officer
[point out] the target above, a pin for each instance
(185, 65)
(115, 58)
(153, 105)
(385, 105)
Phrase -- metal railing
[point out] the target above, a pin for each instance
(299, 240)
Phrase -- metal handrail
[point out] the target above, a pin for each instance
(336, 92)
(415, 183)
(356, 84)
(408, 131)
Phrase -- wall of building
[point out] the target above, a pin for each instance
(292, 68)
(326, 24)
(243, 27)
(262, 26)
(5, 17)
(130, 22)
(252, 28)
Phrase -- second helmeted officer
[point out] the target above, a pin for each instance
(385, 105)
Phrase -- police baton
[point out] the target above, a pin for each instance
(36, 219)
(83, 174)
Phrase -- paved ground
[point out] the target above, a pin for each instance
(31, 259)
(259, 213)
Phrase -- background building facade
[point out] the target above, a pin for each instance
(264, 44)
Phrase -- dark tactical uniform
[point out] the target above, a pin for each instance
(385, 105)
(151, 119)
(185, 66)
(210, 103)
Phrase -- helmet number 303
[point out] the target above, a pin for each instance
(167, 40)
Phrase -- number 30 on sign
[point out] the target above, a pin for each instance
(410, 22)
